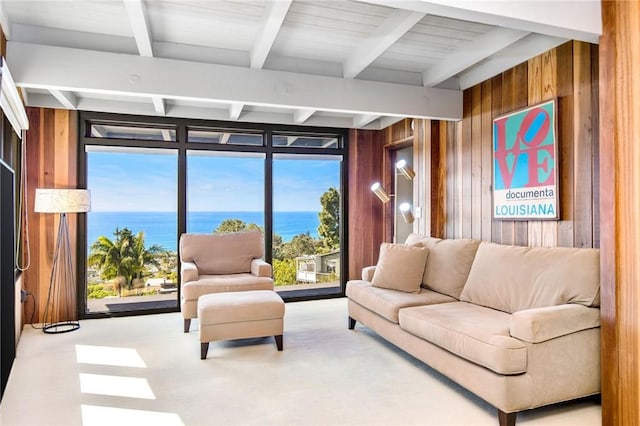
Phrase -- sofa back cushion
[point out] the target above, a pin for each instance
(448, 265)
(423, 240)
(216, 254)
(400, 267)
(511, 278)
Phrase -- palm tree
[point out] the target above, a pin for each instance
(126, 256)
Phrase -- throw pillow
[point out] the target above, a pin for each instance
(400, 267)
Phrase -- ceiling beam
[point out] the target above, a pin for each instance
(275, 12)
(166, 135)
(235, 109)
(39, 66)
(158, 105)
(363, 119)
(137, 13)
(470, 54)
(508, 58)
(390, 31)
(301, 115)
(579, 20)
(67, 99)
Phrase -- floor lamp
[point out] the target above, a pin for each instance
(60, 312)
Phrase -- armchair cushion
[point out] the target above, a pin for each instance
(189, 272)
(260, 268)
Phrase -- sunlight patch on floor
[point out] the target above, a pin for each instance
(93, 415)
(129, 387)
(108, 355)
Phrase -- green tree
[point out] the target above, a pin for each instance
(125, 257)
(236, 225)
(329, 229)
(284, 271)
(300, 245)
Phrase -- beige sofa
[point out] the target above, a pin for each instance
(517, 326)
(216, 263)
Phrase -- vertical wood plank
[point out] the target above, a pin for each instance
(595, 120)
(486, 165)
(620, 212)
(549, 85)
(496, 109)
(583, 151)
(438, 164)
(465, 165)
(507, 235)
(475, 172)
(565, 143)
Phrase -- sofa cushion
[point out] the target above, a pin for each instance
(386, 302)
(533, 277)
(224, 283)
(478, 334)
(448, 265)
(226, 253)
(400, 267)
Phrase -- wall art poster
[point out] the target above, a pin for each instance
(525, 164)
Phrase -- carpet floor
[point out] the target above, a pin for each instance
(144, 370)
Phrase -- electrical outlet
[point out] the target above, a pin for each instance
(23, 295)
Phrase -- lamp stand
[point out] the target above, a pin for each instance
(60, 314)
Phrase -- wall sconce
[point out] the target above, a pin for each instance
(377, 189)
(405, 170)
(405, 211)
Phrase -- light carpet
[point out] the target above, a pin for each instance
(144, 370)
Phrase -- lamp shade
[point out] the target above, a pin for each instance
(377, 189)
(405, 211)
(405, 170)
(62, 200)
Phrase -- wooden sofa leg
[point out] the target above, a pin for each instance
(187, 325)
(507, 419)
(204, 348)
(278, 341)
(352, 323)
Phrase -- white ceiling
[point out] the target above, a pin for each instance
(338, 63)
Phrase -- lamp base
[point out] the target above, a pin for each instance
(61, 327)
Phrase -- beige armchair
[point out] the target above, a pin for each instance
(216, 263)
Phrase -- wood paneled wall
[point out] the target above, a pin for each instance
(620, 212)
(51, 163)
(569, 74)
(366, 212)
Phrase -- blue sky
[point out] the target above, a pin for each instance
(143, 182)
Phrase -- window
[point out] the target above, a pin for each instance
(154, 178)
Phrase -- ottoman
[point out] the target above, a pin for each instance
(240, 315)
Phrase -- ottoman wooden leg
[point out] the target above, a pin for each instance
(187, 325)
(204, 348)
(279, 341)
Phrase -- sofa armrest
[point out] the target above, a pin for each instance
(541, 324)
(188, 272)
(260, 268)
(367, 273)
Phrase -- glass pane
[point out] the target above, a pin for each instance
(131, 230)
(306, 221)
(129, 132)
(225, 136)
(225, 192)
(306, 141)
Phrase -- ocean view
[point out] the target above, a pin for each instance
(161, 227)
